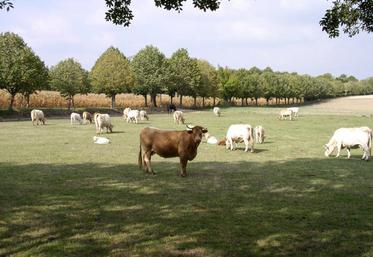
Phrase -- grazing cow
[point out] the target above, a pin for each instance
(37, 115)
(87, 116)
(238, 133)
(286, 113)
(295, 111)
(103, 121)
(143, 115)
(168, 144)
(350, 138)
(171, 108)
(216, 111)
(133, 116)
(179, 117)
(259, 134)
(125, 112)
(75, 118)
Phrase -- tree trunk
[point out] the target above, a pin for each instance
(69, 103)
(256, 101)
(160, 100)
(27, 100)
(267, 100)
(242, 101)
(153, 99)
(214, 101)
(203, 102)
(112, 101)
(145, 100)
(195, 102)
(181, 101)
(171, 97)
(72, 102)
(10, 108)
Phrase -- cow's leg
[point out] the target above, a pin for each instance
(339, 146)
(147, 160)
(348, 153)
(183, 164)
(231, 143)
(365, 153)
(246, 144)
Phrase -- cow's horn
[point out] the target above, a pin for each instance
(189, 127)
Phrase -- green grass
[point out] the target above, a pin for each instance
(61, 195)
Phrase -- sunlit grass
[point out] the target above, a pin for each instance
(62, 195)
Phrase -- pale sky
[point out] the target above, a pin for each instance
(282, 34)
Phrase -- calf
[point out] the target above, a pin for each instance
(216, 111)
(133, 116)
(259, 134)
(143, 115)
(165, 143)
(87, 116)
(286, 113)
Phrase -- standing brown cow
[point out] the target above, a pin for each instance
(169, 144)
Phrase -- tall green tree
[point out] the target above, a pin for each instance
(224, 74)
(149, 68)
(183, 74)
(209, 81)
(21, 70)
(111, 74)
(69, 78)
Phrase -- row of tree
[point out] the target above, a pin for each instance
(150, 73)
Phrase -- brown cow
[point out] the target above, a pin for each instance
(168, 144)
(87, 116)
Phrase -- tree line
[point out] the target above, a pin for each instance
(150, 73)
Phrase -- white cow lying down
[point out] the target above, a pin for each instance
(350, 138)
(238, 133)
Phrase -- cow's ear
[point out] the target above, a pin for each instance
(190, 131)
(204, 130)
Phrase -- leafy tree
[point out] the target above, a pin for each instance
(119, 11)
(231, 88)
(224, 74)
(149, 68)
(21, 70)
(111, 74)
(184, 74)
(209, 81)
(69, 78)
(270, 85)
(351, 16)
(6, 4)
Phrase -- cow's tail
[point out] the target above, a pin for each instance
(251, 131)
(140, 158)
(370, 143)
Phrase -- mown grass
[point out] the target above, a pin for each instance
(61, 195)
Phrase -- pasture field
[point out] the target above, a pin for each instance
(61, 195)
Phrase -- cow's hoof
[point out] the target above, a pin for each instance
(183, 175)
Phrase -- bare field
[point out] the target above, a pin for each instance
(355, 105)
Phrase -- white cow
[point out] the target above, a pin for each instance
(295, 111)
(179, 117)
(350, 138)
(286, 113)
(133, 116)
(238, 133)
(216, 111)
(75, 118)
(143, 115)
(125, 112)
(259, 134)
(37, 115)
(103, 121)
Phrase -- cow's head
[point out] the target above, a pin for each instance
(197, 132)
(329, 149)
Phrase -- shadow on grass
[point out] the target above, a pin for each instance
(303, 207)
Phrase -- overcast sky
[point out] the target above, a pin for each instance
(282, 34)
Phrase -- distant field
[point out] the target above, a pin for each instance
(61, 195)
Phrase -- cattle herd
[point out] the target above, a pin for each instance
(184, 144)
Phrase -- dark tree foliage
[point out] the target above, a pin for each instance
(119, 11)
(350, 16)
(6, 4)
